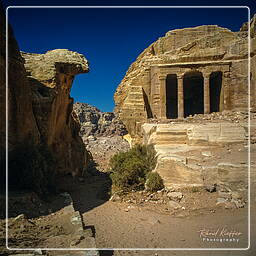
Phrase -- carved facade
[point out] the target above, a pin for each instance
(189, 71)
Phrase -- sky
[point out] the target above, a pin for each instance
(110, 39)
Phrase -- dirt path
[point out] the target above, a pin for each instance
(122, 225)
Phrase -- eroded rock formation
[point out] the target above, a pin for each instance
(40, 108)
(20, 114)
(21, 121)
(50, 76)
(162, 82)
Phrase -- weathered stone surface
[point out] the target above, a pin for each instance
(21, 121)
(39, 103)
(205, 49)
(193, 134)
(176, 196)
(50, 77)
(97, 123)
(172, 205)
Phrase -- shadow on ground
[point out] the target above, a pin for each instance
(29, 204)
(88, 193)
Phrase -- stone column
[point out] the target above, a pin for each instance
(225, 92)
(162, 80)
(206, 93)
(180, 96)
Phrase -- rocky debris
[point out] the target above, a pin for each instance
(115, 198)
(103, 148)
(61, 229)
(176, 196)
(231, 199)
(174, 205)
(20, 217)
(225, 203)
(102, 133)
(96, 123)
(226, 115)
(167, 200)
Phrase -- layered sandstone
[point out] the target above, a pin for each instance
(203, 50)
(40, 109)
(50, 76)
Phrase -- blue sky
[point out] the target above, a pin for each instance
(111, 39)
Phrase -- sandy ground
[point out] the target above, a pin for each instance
(126, 225)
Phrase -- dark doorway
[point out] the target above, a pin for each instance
(171, 96)
(193, 91)
(215, 91)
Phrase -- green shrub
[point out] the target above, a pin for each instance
(129, 169)
(31, 167)
(154, 182)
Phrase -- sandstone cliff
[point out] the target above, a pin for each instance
(206, 45)
(50, 76)
(40, 109)
(20, 114)
(21, 121)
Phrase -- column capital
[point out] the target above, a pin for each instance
(206, 75)
(162, 77)
(180, 75)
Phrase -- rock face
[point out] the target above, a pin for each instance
(40, 108)
(102, 133)
(97, 123)
(188, 71)
(187, 93)
(21, 121)
(20, 114)
(50, 76)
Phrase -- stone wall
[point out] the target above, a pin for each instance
(204, 50)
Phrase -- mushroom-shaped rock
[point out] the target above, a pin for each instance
(48, 67)
(50, 76)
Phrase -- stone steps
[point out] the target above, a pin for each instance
(169, 136)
